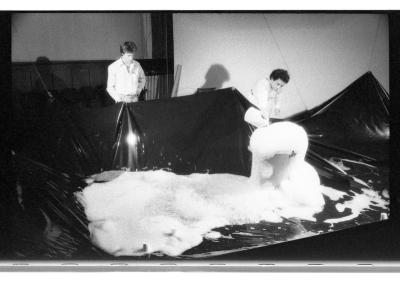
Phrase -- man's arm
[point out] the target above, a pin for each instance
(111, 81)
(260, 93)
(141, 79)
(255, 118)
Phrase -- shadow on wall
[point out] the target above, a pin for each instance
(46, 85)
(47, 80)
(215, 78)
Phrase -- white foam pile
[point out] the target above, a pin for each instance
(145, 212)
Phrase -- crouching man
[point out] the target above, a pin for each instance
(265, 96)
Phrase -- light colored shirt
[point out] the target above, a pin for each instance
(266, 100)
(125, 80)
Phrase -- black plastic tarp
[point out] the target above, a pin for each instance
(204, 133)
(355, 121)
(56, 148)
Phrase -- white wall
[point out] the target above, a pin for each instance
(77, 36)
(323, 52)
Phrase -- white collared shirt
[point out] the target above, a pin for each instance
(125, 80)
(264, 97)
(266, 100)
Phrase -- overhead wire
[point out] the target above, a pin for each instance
(284, 60)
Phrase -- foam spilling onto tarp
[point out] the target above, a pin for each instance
(358, 203)
(333, 194)
(139, 213)
(145, 212)
(157, 211)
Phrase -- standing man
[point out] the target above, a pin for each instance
(126, 78)
(265, 96)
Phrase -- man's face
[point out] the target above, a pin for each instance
(277, 84)
(128, 57)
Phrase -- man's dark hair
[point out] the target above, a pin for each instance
(280, 74)
(127, 47)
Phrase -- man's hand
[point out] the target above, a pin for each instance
(265, 114)
(265, 118)
(254, 117)
(263, 123)
(128, 97)
(132, 95)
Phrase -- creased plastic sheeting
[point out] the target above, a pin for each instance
(189, 134)
(352, 121)
(199, 133)
(204, 133)
(52, 223)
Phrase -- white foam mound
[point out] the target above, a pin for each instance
(157, 211)
(278, 158)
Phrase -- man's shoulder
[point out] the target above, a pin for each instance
(262, 81)
(114, 64)
(136, 63)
